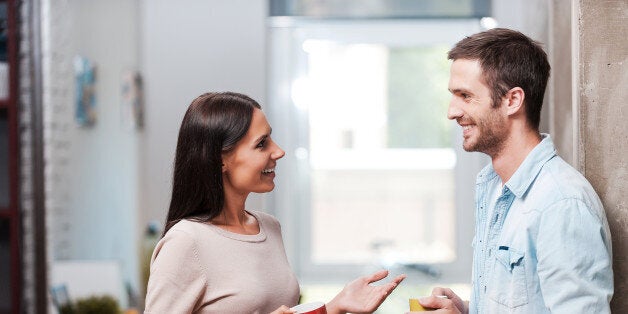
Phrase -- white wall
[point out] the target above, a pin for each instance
(91, 173)
(190, 47)
(104, 183)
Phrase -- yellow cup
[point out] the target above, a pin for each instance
(415, 306)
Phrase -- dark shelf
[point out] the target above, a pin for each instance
(6, 213)
(10, 266)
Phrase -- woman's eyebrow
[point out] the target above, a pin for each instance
(264, 136)
(261, 138)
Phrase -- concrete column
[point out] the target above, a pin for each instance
(601, 91)
(559, 87)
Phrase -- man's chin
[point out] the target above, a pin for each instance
(468, 146)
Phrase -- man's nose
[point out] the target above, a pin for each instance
(454, 111)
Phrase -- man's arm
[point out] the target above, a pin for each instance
(574, 259)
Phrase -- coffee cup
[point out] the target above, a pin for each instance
(415, 306)
(310, 308)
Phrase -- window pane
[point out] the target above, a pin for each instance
(418, 98)
(380, 153)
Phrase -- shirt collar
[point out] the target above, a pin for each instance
(522, 179)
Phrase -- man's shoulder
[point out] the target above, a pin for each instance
(558, 181)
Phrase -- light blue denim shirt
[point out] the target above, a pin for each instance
(546, 246)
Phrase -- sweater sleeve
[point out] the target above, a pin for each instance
(177, 282)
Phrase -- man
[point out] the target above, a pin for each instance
(542, 242)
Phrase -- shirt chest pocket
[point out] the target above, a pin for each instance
(507, 285)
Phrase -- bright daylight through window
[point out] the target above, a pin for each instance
(373, 169)
(380, 153)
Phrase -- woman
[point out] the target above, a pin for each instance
(215, 256)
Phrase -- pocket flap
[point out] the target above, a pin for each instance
(509, 257)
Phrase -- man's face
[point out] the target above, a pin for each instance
(484, 126)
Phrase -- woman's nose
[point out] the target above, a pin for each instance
(278, 153)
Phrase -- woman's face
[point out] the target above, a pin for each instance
(250, 165)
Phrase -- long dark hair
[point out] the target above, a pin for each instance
(212, 125)
(508, 59)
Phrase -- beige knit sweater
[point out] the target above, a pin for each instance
(200, 268)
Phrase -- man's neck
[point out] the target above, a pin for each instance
(514, 151)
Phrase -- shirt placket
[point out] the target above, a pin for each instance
(479, 258)
(495, 226)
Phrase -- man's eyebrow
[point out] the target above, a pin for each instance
(459, 90)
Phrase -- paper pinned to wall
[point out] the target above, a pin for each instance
(132, 106)
(85, 75)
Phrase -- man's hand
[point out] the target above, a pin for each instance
(452, 304)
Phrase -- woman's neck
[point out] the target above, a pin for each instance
(234, 218)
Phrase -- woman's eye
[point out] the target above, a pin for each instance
(261, 144)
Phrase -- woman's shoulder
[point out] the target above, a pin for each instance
(266, 219)
(186, 228)
(263, 216)
(179, 240)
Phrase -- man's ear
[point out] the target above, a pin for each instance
(514, 101)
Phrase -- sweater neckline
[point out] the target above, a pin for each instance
(259, 237)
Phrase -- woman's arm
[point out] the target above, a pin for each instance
(176, 281)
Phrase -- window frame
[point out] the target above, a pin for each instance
(290, 202)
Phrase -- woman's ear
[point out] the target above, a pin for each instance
(514, 100)
(225, 161)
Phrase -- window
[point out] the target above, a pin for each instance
(374, 173)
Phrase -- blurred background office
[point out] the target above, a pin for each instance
(93, 92)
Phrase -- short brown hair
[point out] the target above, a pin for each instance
(508, 59)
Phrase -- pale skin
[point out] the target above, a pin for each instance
(502, 132)
(250, 167)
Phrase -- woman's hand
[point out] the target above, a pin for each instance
(283, 310)
(359, 296)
